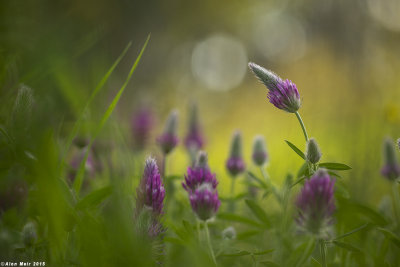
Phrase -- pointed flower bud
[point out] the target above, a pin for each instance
(283, 94)
(168, 139)
(205, 202)
(235, 164)
(391, 168)
(29, 235)
(150, 192)
(194, 138)
(313, 153)
(142, 123)
(260, 155)
(316, 205)
(199, 174)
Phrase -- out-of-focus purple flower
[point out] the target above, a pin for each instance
(235, 164)
(316, 205)
(90, 166)
(205, 202)
(259, 155)
(14, 194)
(168, 139)
(391, 167)
(199, 174)
(151, 192)
(283, 94)
(194, 139)
(142, 124)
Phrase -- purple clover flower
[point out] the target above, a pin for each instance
(168, 139)
(194, 139)
(151, 192)
(316, 205)
(205, 202)
(199, 174)
(260, 155)
(235, 164)
(391, 167)
(201, 185)
(142, 123)
(283, 94)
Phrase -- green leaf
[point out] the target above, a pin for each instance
(347, 246)
(254, 177)
(263, 252)
(334, 174)
(303, 171)
(298, 181)
(302, 253)
(351, 232)
(247, 234)
(296, 149)
(237, 218)
(94, 198)
(391, 236)
(334, 166)
(79, 176)
(237, 254)
(258, 212)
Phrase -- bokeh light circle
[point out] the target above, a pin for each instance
(386, 12)
(279, 37)
(219, 62)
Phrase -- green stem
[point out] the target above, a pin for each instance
(164, 166)
(322, 250)
(269, 183)
(233, 187)
(396, 202)
(198, 229)
(209, 243)
(302, 125)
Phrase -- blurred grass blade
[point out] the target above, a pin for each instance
(347, 246)
(298, 181)
(263, 252)
(301, 254)
(391, 236)
(100, 85)
(254, 177)
(94, 198)
(351, 232)
(80, 174)
(334, 166)
(296, 149)
(237, 254)
(258, 212)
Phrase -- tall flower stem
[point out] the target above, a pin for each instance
(396, 202)
(209, 243)
(233, 187)
(164, 166)
(302, 125)
(198, 229)
(322, 250)
(269, 183)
